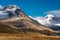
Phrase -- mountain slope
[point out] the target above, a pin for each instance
(17, 20)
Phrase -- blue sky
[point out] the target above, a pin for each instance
(34, 7)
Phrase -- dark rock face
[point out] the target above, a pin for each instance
(17, 12)
(10, 14)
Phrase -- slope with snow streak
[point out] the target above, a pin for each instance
(50, 21)
(45, 20)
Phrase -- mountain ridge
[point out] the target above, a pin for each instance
(17, 19)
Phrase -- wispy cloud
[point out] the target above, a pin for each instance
(1, 7)
(54, 12)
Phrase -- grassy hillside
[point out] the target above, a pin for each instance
(8, 33)
(8, 29)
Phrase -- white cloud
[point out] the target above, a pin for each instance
(1, 7)
(54, 12)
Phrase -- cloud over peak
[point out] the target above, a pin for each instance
(54, 12)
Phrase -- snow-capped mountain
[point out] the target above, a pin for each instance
(15, 18)
(45, 20)
(50, 21)
(8, 11)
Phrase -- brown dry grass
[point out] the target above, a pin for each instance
(7, 33)
(29, 36)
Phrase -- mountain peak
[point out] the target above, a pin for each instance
(11, 11)
(50, 15)
(11, 8)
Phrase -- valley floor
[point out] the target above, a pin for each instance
(30, 36)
